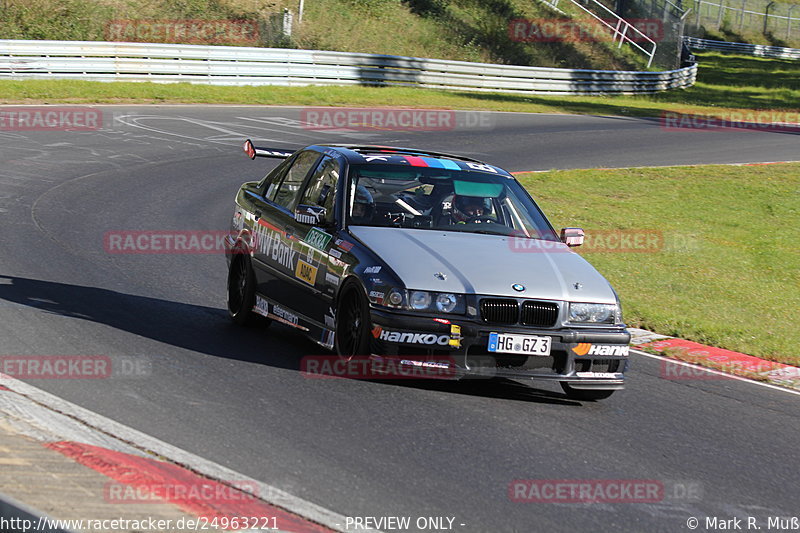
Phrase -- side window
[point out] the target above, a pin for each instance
(321, 190)
(290, 186)
(269, 185)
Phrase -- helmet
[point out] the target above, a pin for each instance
(363, 206)
(467, 207)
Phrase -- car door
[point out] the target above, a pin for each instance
(252, 203)
(314, 227)
(276, 249)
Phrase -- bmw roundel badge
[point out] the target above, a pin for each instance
(517, 287)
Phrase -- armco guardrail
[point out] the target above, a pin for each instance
(233, 65)
(759, 50)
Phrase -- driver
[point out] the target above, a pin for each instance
(466, 208)
(363, 206)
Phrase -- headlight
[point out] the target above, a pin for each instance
(593, 313)
(446, 302)
(395, 298)
(426, 301)
(420, 300)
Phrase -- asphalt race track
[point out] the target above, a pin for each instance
(719, 447)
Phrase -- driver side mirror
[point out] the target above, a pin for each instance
(572, 236)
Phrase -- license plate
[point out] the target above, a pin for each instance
(520, 344)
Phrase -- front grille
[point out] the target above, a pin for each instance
(500, 310)
(542, 314)
(507, 311)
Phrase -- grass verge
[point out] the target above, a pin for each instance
(726, 85)
(727, 272)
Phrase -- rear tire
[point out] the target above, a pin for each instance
(241, 291)
(586, 395)
(352, 323)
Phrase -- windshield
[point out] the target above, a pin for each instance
(450, 200)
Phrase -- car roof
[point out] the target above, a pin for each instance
(376, 154)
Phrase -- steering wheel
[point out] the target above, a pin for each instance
(478, 219)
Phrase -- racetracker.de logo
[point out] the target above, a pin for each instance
(210, 492)
(165, 242)
(369, 367)
(371, 119)
(607, 241)
(56, 366)
(774, 121)
(50, 118)
(586, 491)
(574, 31)
(679, 371)
(183, 31)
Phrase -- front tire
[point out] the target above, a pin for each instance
(241, 291)
(586, 395)
(352, 323)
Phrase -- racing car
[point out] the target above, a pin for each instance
(436, 259)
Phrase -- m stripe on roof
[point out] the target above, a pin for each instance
(416, 161)
(433, 162)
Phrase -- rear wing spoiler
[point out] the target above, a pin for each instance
(253, 152)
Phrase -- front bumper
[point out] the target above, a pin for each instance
(585, 358)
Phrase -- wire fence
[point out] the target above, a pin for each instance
(672, 19)
(778, 20)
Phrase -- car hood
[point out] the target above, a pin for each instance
(486, 264)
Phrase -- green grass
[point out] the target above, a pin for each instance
(773, 37)
(86, 19)
(467, 30)
(725, 84)
(728, 274)
(741, 82)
